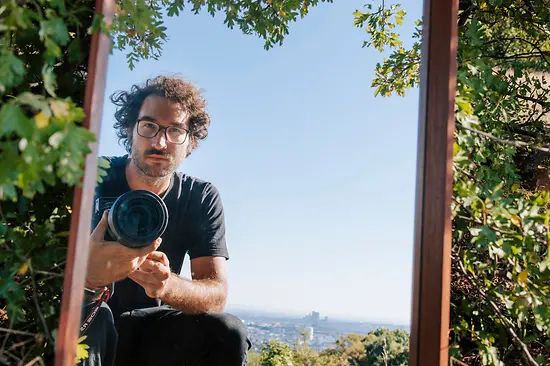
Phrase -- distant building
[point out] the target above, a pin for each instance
(312, 318)
(315, 317)
(310, 334)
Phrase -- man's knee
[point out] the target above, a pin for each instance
(230, 331)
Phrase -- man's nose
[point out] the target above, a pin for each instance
(159, 141)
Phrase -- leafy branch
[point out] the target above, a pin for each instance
(508, 325)
(502, 141)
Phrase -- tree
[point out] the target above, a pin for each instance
(276, 353)
(382, 347)
(387, 348)
(501, 237)
(43, 54)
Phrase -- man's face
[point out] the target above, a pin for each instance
(157, 157)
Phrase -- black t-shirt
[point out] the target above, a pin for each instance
(196, 226)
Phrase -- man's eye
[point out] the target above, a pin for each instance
(175, 131)
(149, 125)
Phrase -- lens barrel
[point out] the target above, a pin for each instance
(137, 218)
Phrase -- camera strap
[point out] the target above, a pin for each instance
(105, 295)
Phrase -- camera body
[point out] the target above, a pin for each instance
(136, 218)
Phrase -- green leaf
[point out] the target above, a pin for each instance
(97, 23)
(12, 70)
(103, 163)
(75, 51)
(56, 29)
(36, 101)
(49, 80)
(12, 119)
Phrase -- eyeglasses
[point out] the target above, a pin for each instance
(149, 129)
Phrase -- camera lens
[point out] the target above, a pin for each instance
(137, 218)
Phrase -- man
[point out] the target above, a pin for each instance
(155, 317)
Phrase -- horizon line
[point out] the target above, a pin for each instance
(301, 314)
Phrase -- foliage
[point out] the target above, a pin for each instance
(139, 24)
(399, 71)
(382, 347)
(43, 55)
(501, 237)
(276, 353)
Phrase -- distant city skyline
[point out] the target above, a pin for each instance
(317, 176)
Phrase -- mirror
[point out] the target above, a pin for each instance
(306, 181)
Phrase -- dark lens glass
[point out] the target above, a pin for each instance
(147, 128)
(176, 135)
(138, 218)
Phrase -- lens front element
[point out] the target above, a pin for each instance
(137, 218)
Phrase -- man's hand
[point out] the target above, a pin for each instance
(110, 261)
(153, 275)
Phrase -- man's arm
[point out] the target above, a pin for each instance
(205, 293)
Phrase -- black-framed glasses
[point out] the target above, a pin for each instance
(173, 134)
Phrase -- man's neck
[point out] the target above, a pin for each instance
(138, 180)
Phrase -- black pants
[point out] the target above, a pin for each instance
(164, 336)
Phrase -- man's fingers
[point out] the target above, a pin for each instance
(150, 266)
(142, 252)
(156, 269)
(99, 232)
(159, 257)
(141, 278)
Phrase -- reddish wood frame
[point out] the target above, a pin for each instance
(77, 255)
(432, 240)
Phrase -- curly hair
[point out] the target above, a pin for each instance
(173, 88)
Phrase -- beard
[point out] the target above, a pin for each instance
(154, 170)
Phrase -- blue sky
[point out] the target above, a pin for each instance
(317, 176)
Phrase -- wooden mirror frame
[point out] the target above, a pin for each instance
(429, 334)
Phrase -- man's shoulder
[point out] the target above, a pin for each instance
(197, 187)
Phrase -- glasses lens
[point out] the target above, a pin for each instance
(147, 129)
(176, 135)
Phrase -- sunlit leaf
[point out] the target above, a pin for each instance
(42, 120)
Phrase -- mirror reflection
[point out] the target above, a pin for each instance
(253, 204)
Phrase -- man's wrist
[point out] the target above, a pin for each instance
(172, 284)
(90, 285)
(93, 293)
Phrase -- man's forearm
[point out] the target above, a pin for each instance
(195, 296)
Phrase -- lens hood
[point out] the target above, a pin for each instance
(137, 218)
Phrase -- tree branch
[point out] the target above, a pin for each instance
(519, 56)
(501, 141)
(37, 305)
(19, 332)
(34, 361)
(526, 355)
(534, 45)
(474, 219)
(457, 361)
(531, 99)
(519, 131)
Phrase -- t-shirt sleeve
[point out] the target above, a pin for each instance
(210, 226)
